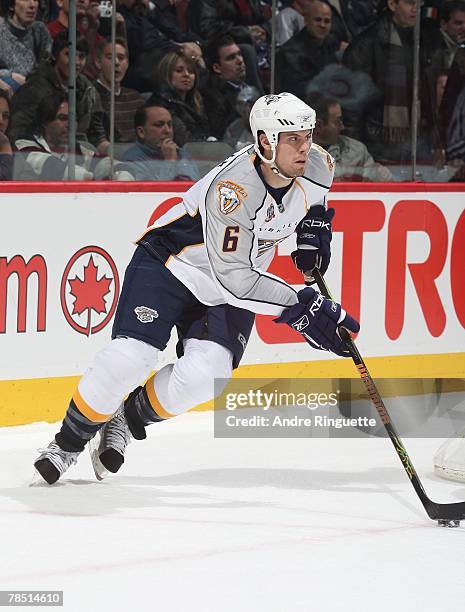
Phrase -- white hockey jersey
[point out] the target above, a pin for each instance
(220, 240)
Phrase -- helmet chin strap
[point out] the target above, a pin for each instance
(275, 170)
(274, 166)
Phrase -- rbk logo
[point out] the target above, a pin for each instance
(315, 307)
(316, 223)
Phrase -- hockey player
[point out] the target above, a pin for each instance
(202, 268)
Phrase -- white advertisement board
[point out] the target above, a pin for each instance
(397, 265)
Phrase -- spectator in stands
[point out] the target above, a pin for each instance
(45, 155)
(452, 28)
(384, 51)
(244, 21)
(227, 79)
(177, 91)
(24, 42)
(349, 18)
(309, 51)
(88, 23)
(127, 101)
(238, 133)
(62, 21)
(51, 77)
(156, 156)
(353, 161)
(6, 153)
(147, 44)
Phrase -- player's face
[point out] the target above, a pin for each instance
(158, 127)
(292, 151)
(455, 27)
(404, 12)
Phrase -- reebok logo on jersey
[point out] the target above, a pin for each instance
(301, 324)
(146, 314)
(230, 196)
(316, 223)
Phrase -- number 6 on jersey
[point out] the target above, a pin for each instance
(231, 238)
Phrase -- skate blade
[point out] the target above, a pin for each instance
(37, 480)
(99, 469)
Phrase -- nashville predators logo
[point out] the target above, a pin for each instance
(230, 196)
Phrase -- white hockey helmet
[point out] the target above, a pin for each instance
(283, 112)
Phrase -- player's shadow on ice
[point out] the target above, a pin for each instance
(81, 497)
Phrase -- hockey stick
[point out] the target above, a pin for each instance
(445, 514)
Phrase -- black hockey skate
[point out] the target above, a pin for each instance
(108, 447)
(53, 461)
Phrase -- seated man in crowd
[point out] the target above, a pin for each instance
(353, 161)
(156, 157)
(227, 79)
(6, 153)
(45, 155)
(127, 101)
(52, 77)
(245, 21)
(24, 42)
(308, 52)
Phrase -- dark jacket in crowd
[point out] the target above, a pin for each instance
(301, 58)
(127, 101)
(370, 52)
(41, 84)
(146, 44)
(165, 16)
(6, 166)
(219, 97)
(211, 18)
(188, 124)
(355, 16)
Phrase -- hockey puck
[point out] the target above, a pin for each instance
(448, 523)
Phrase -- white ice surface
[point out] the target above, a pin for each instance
(195, 523)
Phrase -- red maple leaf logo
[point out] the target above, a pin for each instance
(89, 292)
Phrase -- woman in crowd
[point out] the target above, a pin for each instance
(177, 90)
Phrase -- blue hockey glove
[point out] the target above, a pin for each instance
(314, 234)
(318, 320)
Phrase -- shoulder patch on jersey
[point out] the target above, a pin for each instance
(231, 196)
(330, 162)
(326, 156)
